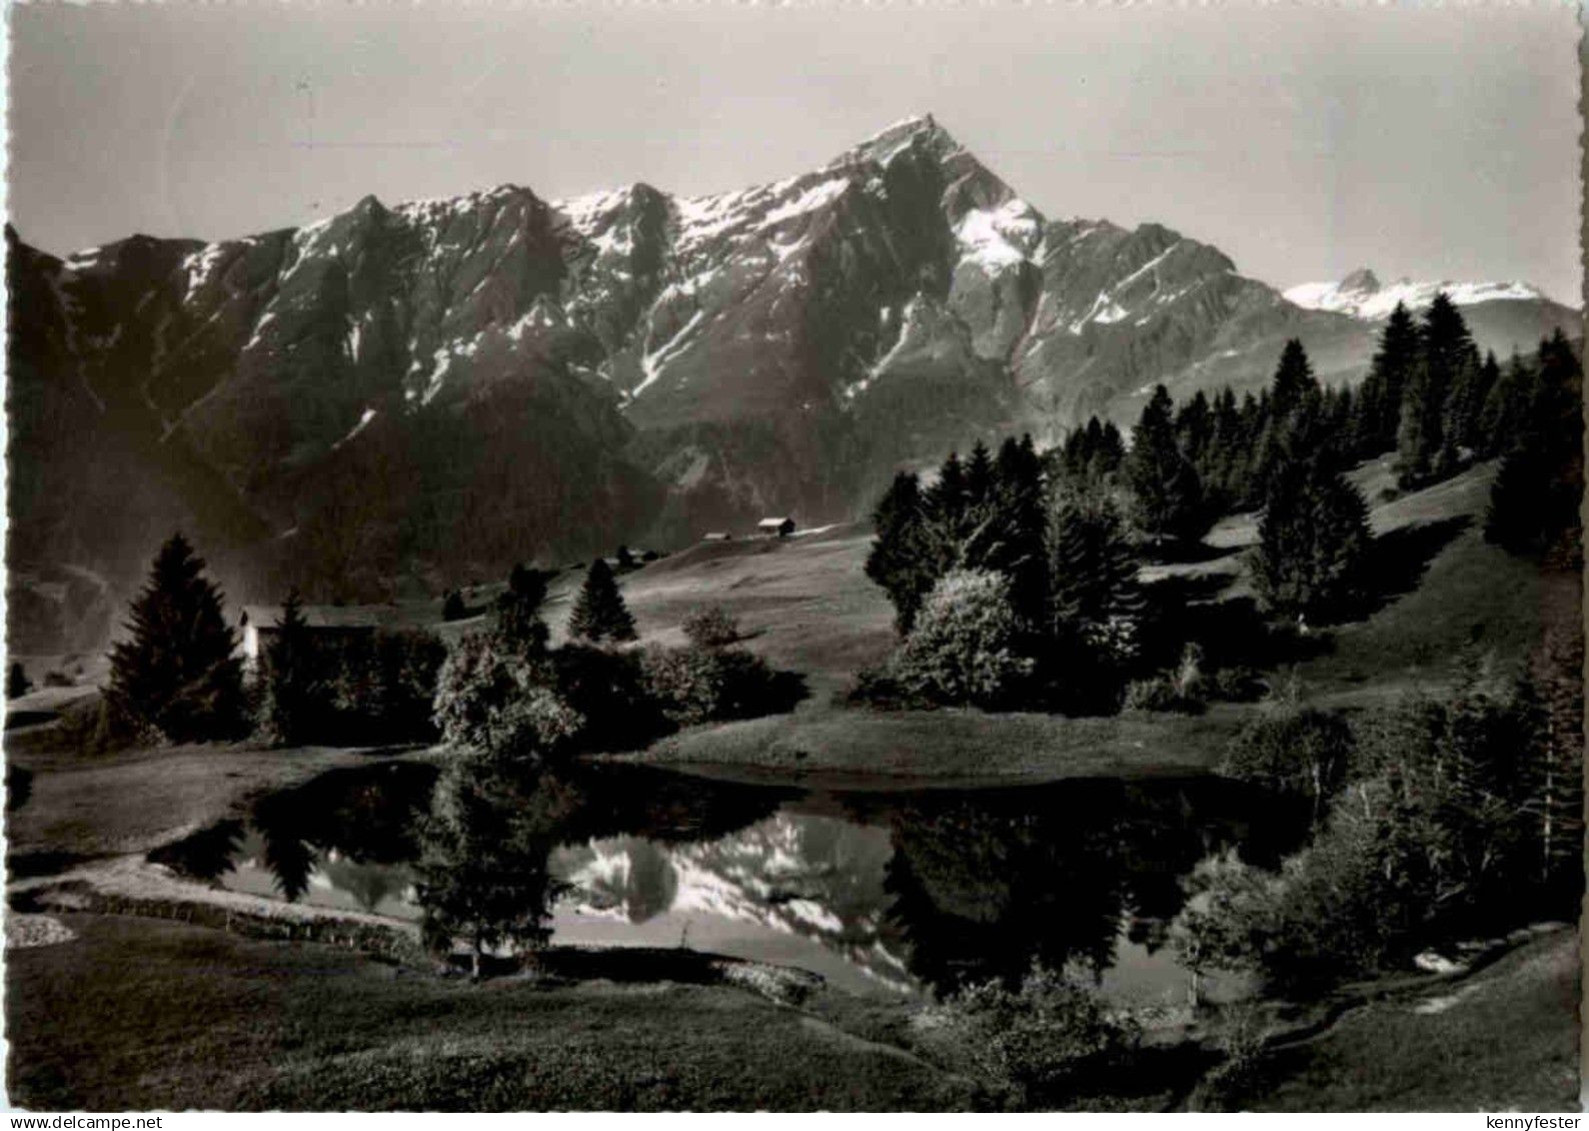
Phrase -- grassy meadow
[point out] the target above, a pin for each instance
(139, 1013)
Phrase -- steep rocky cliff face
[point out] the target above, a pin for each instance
(421, 394)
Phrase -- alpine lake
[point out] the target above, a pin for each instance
(903, 892)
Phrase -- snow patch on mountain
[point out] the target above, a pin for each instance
(259, 330)
(703, 218)
(813, 198)
(999, 238)
(653, 363)
(364, 420)
(200, 265)
(585, 213)
(907, 323)
(1150, 265)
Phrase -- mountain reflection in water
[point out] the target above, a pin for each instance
(902, 891)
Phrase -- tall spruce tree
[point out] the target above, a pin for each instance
(946, 500)
(1096, 604)
(1506, 408)
(1294, 417)
(518, 612)
(17, 682)
(1293, 380)
(1021, 521)
(599, 610)
(291, 677)
(1111, 451)
(1194, 428)
(1380, 402)
(899, 560)
(1534, 502)
(178, 671)
(1167, 496)
(1221, 471)
(1426, 443)
(1313, 542)
(1092, 565)
(979, 476)
(1465, 409)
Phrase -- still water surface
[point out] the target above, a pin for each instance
(879, 892)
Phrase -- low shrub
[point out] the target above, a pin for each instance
(711, 627)
(963, 647)
(501, 702)
(1159, 693)
(696, 685)
(1029, 1046)
(1235, 685)
(1240, 1038)
(607, 687)
(879, 689)
(101, 726)
(1293, 749)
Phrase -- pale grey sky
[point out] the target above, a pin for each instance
(1303, 141)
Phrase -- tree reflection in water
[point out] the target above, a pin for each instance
(985, 885)
(482, 872)
(959, 885)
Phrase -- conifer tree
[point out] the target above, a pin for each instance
(177, 672)
(17, 682)
(518, 613)
(1470, 408)
(899, 560)
(1505, 408)
(1194, 428)
(1021, 521)
(1245, 487)
(1426, 443)
(1092, 448)
(1295, 418)
(1379, 406)
(1293, 380)
(290, 677)
(1221, 471)
(1313, 542)
(1418, 437)
(1534, 503)
(1092, 565)
(1111, 450)
(979, 476)
(1167, 497)
(1095, 602)
(599, 611)
(946, 498)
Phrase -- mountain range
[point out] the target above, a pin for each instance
(400, 399)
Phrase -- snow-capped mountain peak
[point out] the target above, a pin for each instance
(1362, 295)
(882, 147)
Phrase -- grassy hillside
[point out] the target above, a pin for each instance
(807, 605)
(136, 1014)
(1505, 1039)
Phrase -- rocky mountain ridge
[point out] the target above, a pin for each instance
(416, 395)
